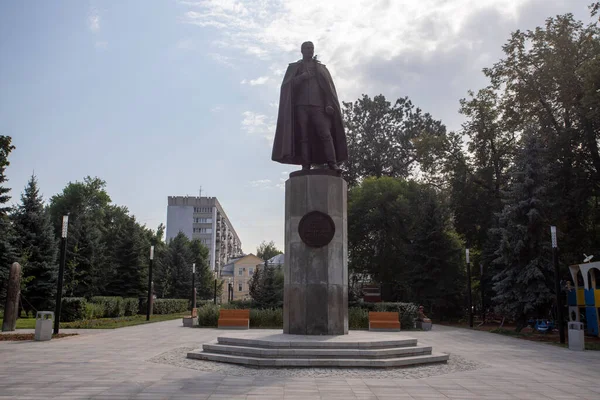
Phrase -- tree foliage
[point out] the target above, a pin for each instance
(266, 286)
(389, 140)
(174, 269)
(37, 246)
(524, 284)
(7, 236)
(266, 251)
(400, 234)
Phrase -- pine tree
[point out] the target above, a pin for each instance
(255, 286)
(130, 266)
(204, 276)
(436, 280)
(524, 286)
(7, 251)
(37, 248)
(175, 269)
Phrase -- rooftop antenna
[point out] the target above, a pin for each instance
(200, 191)
(587, 258)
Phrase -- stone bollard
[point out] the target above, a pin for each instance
(11, 309)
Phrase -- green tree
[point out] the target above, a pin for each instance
(266, 287)
(266, 251)
(174, 272)
(524, 285)
(204, 275)
(390, 140)
(87, 204)
(7, 237)
(549, 78)
(129, 256)
(37, 247)
(400, 235)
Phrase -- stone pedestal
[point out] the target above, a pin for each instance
(316, 255)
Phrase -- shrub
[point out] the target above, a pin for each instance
(267, 318)
(408, 313)
(208, 315)
(113, 305)
(358, 318)
(93, 311)
(239, 305)
(73, 309)
(170, 306)
(131, 305)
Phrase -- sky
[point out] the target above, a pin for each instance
(164, 98)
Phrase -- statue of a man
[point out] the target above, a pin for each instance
(309, 123)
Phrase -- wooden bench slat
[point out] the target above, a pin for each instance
(384, 320)
(234, 318)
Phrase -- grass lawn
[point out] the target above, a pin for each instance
(24, 323)
(103, 323)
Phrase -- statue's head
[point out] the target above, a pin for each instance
(308, 49)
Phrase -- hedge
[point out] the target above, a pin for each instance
(73, 309)
(166, 306)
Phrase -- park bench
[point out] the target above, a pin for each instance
(384, 321)
(191, 320)
(234, 319)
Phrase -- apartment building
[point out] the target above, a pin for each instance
(203, 218)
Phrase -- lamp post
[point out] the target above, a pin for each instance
(61, 272)
(482, 293)
(149, 306)
(215, 301)
(229, 291)
(559, 303)
(193, 286)
(469, 298)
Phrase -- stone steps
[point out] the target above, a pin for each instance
(316, 342)
(321, 362)
(316, 352)
(281, 350)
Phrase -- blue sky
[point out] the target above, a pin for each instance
(160, 98)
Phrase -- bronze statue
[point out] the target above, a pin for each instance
(309, 123)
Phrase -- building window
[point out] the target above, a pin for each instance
(202, 230)
(250, 271)
(240, 287)
(240, 273)
(203, 220)
(202, 209)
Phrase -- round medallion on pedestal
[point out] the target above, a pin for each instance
(316, 229)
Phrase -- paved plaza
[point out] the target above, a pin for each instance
(126, 364)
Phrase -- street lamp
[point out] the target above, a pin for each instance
(559, 303)
(149, 306)
(229, 290)
(193, 286)
(61, 271)
(469, 298)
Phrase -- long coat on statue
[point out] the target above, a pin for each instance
(286, 146)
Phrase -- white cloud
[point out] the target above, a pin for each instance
(221, 59)
(254, 82)
(347, 32)
(258, 125)
(94, 21)
(261, 183)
